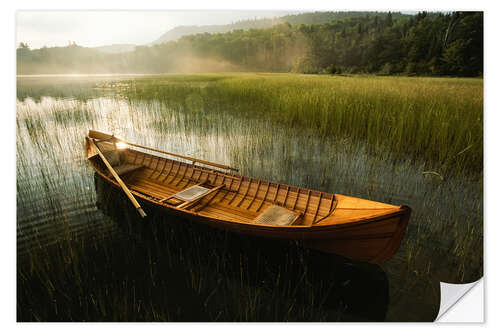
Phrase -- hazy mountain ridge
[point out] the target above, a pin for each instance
(294, 19)
(180, 31)
(325, 17)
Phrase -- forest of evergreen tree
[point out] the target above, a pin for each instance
(435, 44)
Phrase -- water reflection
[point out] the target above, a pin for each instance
(228, 269)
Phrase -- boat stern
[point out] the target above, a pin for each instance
(375, 239)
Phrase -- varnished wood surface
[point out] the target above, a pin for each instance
(356, 228)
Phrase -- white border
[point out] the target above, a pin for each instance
(492, 109)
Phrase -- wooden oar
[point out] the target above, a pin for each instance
(118, 179)
(104, 136)
(222, 166)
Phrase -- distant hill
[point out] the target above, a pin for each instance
(296, 19)
(325, 17)
(115, 48)
(178, 32)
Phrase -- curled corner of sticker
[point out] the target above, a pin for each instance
(451, 295)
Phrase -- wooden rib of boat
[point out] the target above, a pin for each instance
(210, 193)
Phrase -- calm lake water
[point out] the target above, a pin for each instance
(60, 202)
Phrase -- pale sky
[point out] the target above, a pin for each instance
(97, 28)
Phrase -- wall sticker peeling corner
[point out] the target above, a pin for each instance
(461, 302)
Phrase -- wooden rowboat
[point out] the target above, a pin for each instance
(213, 194)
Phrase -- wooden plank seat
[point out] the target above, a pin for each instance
(192, 195)
(175, 195)
(277, 215)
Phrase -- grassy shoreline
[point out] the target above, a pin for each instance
(437, 120)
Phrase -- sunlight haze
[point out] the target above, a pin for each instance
(97, 28)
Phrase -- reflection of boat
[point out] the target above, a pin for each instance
(230, 263)
(355, 228)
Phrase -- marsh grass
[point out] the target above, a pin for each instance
(437, 120)
(412, 141)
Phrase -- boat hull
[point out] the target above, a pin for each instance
(372, 240)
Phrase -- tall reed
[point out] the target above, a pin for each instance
(436, 120)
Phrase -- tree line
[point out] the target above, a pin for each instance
(264, 23)
(422, 44)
